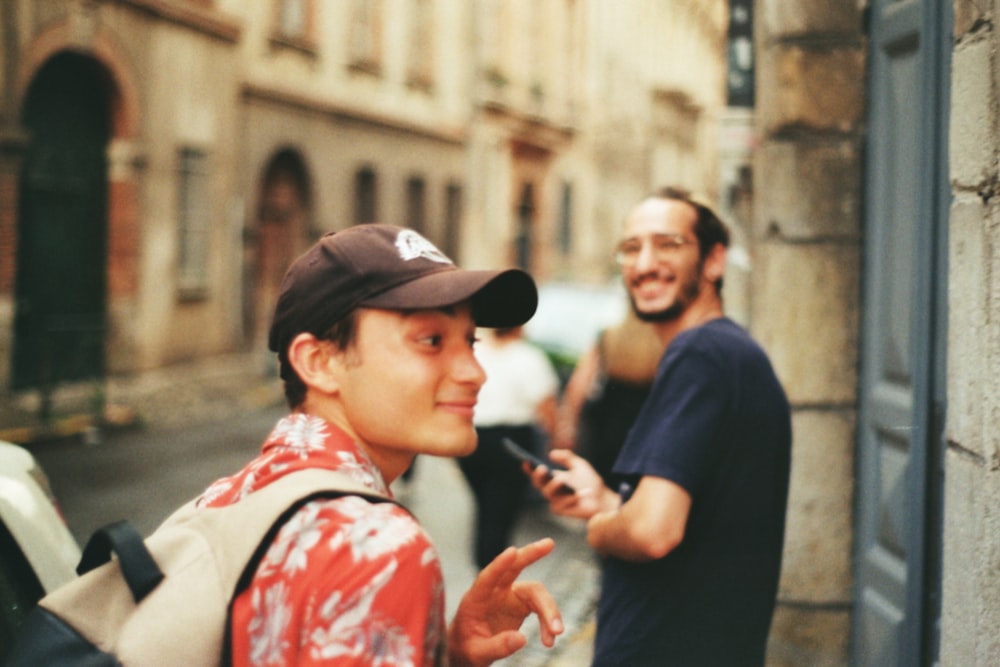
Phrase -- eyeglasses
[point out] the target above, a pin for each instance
(664, 247)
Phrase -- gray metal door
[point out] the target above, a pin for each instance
(899, 478)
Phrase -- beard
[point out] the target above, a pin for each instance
(668, 314)
(690, 288)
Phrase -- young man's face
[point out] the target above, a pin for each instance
(409, 383)
(661, 268)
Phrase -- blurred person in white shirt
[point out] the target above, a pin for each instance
(518, 401)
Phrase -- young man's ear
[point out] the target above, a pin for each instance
(314, 360)
(715, 263)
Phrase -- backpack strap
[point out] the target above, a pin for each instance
(342, 486)
(139, 569)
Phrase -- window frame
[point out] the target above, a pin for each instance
(193, 221)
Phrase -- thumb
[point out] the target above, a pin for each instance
(561, 456)
(486, 650)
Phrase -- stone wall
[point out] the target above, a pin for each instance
(806, 248)
(971, 588)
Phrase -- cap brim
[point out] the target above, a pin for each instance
(506, 298)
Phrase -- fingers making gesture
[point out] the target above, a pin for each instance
(487, 623)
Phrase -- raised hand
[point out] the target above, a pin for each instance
(488, 620)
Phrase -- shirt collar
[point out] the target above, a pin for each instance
(301, 440)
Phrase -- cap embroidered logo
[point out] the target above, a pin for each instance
(412, 245)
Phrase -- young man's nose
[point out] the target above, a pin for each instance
(467, 369)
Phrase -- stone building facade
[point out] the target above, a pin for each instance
(807, 224)
(136, 259)
(875, 186)
(233, 134)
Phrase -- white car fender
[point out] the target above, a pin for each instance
(29, 513)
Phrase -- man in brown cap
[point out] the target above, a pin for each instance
(374, 331)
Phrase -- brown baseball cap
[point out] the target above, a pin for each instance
(395, 268)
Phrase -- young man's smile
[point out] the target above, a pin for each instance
(462, 407)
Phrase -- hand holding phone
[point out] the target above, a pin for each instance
(523, 455)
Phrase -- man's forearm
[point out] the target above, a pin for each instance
(635, 534)
(609, 535)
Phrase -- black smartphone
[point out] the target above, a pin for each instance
(523, 455)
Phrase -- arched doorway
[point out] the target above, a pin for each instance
(60, 280)
(284, 226)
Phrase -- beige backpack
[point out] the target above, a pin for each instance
(165, 600)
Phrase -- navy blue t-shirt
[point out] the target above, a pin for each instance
(717, 423)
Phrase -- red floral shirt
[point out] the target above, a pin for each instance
(346, 581)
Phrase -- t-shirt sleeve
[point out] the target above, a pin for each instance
(674, 434)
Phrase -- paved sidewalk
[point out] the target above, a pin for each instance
(179, 395)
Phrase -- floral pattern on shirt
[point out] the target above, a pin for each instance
(346, 581)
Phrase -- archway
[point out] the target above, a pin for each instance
(283, 227)
(60, 280)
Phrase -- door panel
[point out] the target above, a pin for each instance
(906, 181)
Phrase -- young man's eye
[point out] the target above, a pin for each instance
(473, 339)
(433, 340)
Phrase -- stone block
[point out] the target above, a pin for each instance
(808, 636)
(973, 138)
(970, 611)
(968, 13)
(814, 89)
(813, 190)
(805, 314)
(971, 346)
(816, 567)
(991, 363)
(779, 19)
